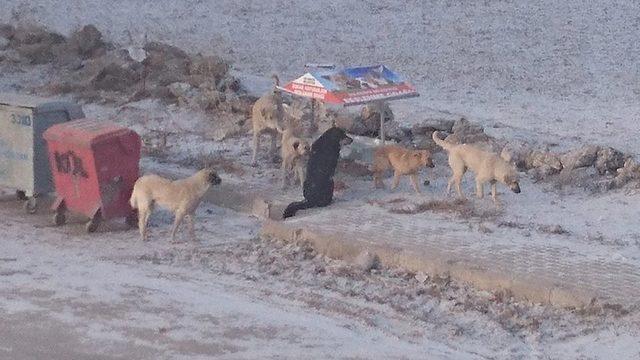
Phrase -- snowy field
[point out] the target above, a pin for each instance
(562, 72)
(69, 295)
(552, 73)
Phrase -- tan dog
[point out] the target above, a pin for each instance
(487, 167)
(403, 161)
(294, 153)
(267, 117)
(181, 197)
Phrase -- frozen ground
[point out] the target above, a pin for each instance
(559, 73)
(66, 295)
(550, 71)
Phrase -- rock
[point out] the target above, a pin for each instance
(87, 42)
(464, 126)
(609, 160)
(629, 172)
(421, 277)
(166, 64)
(424, 142)
(29, 35)
(136, 53)
(375, 109)
(582, 157)
(211, 67)
(369, 123)
(182, 92)
(542, 172)
(230, 84)
(366, 261)
(7, 31)
(428, 126)
(37, 45)
(549, 162)
(479, 139)
(39, 53)
(114, 77)
(179, 89)
(210, 99)
(240, 105)
(516, 153)
(226, 128)
(393, 130)
(4, 43)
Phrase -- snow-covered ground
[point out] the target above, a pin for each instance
(67, 295)
(546, 71)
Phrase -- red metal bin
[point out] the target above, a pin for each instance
(94, 165)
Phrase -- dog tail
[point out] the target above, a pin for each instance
(294, 207)
(443, 144)
(133, 202)
(276, 79)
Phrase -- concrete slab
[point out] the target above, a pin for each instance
(542, 273)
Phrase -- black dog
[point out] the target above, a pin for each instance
(318, 185)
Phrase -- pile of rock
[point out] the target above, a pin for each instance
(35, 45)
(94, 69)
(612, 168)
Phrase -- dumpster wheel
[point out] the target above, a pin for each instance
(21, 195)
(31, 205)
(132, 219)
(93, 224)
(59, 218)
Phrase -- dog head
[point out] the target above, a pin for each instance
(212, 177)
(511, 180)
(335, 135)
(424, 157)
(301, 147)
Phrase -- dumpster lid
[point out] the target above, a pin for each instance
(41, 105)
(21, 100)
(85, 132)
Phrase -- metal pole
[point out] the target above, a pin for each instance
(381, 110)
(313, 112)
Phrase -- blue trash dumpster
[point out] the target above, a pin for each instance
(24, 161)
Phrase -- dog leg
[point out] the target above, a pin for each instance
(494, 193)
(176, 224)
(458, 182)
(192, 227)
(274, 146)
(449, 184)
(396, 180)
(414, 182)
(479, 189)
(284, 173)
(143, 218)
(256, 145)
(301, 176)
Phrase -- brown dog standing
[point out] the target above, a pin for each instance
(181, 197)
(403, 161)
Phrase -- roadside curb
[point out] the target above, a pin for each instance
(430, 262)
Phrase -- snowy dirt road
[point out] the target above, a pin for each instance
(68, 295)
(65, 294)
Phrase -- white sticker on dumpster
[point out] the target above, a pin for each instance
(16, 148)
